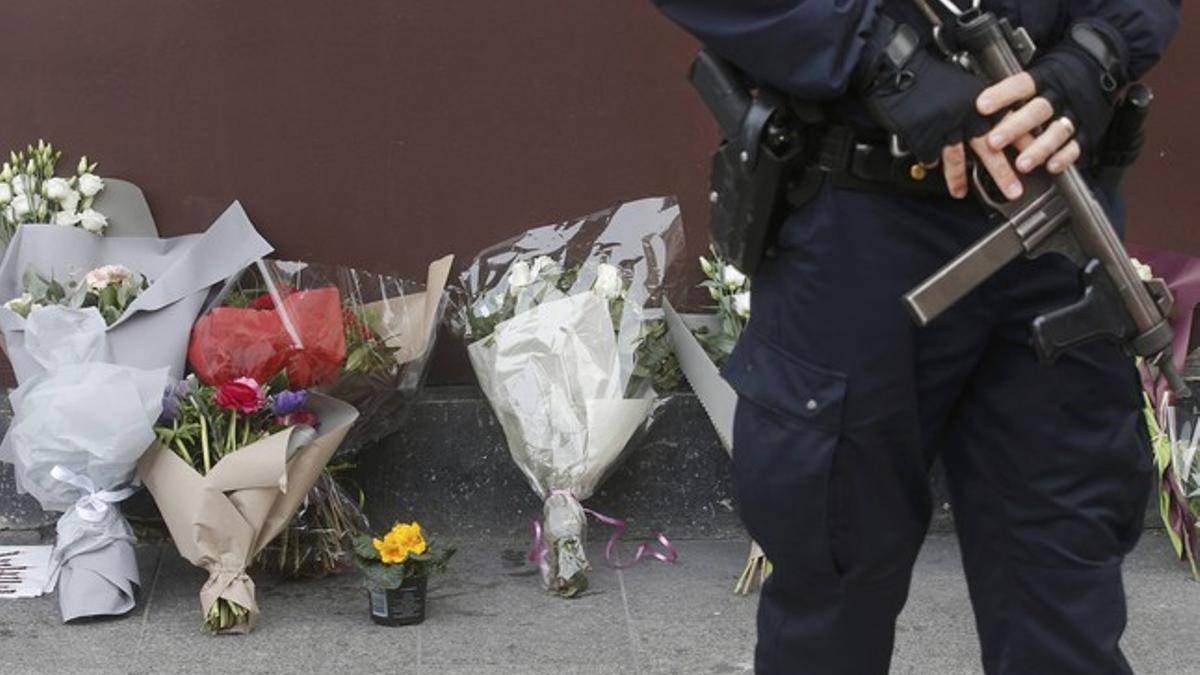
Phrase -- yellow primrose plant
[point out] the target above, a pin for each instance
(403, 553)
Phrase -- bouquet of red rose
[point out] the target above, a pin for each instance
(232, 464)
(236, 457)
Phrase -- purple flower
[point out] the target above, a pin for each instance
(287, 402)
(170, 407)
(172, 398)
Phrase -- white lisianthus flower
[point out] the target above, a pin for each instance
(57, 189)
(67, 218)
(733, 278)
(741, 304)
(20, 206)
(90, 184)
(106, 276)
(93, 221)
(18, 184)
(1143, 270)
(21, 305)
(609, 283)
(6, 193)
(520, 275)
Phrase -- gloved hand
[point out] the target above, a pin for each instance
(927, 102)
(1070, 93)
(1082, 79)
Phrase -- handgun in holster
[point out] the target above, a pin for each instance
(758, 169)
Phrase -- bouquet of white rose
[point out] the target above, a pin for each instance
(563, 341)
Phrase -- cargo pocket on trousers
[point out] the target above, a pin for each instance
(786, 433)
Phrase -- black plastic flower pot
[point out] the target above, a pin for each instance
(404, 606)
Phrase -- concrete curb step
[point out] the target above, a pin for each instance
(450, 468)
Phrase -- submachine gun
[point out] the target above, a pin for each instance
(1058, 214)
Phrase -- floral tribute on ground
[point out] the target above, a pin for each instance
(244, 438)
(94, 328)
(565, 338)
(1174, 427)
(396, 569)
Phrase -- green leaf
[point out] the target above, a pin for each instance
(364, 548)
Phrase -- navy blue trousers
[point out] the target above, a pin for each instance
(844, 403)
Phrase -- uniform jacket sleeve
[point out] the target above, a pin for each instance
(1146, 25)
(806, 47)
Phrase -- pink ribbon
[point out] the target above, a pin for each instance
(539, 552)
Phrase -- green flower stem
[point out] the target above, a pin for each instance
(204, 444)
(183, 451)
(232, 438)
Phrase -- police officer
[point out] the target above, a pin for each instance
(844, 403)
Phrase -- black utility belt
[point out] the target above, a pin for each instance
(871, 165)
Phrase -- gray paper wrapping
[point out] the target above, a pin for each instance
(154, 330)
(78, 430)
(716, 396)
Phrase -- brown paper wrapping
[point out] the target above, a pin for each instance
(219, 522)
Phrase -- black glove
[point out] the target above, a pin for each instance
(1083, 78)
(924, 100)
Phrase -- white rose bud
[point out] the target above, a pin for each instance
(733, 278)
(93, 221)
(6, 194)
(20, 206)
(519, 276)
(67, 218)
(741, 304)
(90, 184)
(57, 189)
(608, 284)
(544, 266)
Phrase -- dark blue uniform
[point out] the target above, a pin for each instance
(844, 403)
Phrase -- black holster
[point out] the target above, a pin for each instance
(759, 169)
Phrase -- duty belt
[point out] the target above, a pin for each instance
(855, 162)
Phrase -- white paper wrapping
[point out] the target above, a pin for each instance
(78, 430)
(554, 377)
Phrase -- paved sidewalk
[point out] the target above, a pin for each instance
(489, 616)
